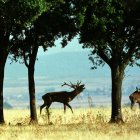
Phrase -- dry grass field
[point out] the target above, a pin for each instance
(84, 124)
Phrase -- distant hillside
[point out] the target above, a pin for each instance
(57, 66)
(60, 65)
(65, 65)
(7, 105)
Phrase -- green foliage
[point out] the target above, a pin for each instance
(57, 22)
(112, 29)
(20, 12)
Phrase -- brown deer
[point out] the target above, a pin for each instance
(135, 98)
(62, 96)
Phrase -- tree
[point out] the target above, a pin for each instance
(42, 33)
(14, 14)
(112, 29)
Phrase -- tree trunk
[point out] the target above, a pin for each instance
(31, 82)
(117, 74)
(33, 114)
(3, 58)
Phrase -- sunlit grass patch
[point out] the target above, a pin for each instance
(83, 124)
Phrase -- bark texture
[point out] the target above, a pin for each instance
(31, 85)
(117, 73)
(3, 58)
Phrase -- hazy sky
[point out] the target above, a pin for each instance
(72, 46)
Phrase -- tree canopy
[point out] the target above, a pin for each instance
(112, 27)
(51, 25)
(15, 12)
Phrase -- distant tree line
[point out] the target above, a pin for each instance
(111, 28)
(6, 105)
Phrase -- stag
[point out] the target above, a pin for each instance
(135, 98)
(62, 96)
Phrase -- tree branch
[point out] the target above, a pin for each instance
(33, 55)
(129, 54)
(102, 54)
(25, 59)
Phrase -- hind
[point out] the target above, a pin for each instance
(47, 102)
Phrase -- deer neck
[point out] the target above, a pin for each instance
(75, 93)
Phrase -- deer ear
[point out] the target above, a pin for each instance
(137, 88)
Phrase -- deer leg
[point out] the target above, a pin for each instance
(64, 108)
(41, 107)
(48, 113)
(69, 107)
(139, 105)
(132, 104)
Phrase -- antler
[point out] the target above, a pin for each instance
(78, 83)
(65, 84)
(72, 85)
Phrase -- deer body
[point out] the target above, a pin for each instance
(135, 98)
(62, 97)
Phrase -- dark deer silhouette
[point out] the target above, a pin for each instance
(62, 96)
(135, 98)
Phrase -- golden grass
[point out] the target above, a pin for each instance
(84, 124)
